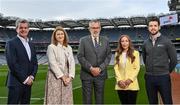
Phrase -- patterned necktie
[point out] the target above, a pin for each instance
(95, 42)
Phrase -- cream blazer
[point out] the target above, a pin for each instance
(56, 59)
(130, 71)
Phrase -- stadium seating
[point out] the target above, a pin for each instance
(136, 33)
(42, 38)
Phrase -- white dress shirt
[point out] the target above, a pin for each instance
(26, 45)
(97, 38)
(28, 51)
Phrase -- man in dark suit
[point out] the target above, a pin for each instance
(94, 55)
(22, 63)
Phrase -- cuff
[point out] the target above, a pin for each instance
(26, 80)
(90, 68)
(32, 77)
(71, 76)
(59, 76)
(100, 69)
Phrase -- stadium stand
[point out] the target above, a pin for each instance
(40, 34)
(2, 59)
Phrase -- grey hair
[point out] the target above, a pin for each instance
(94, 21)
(18, 21)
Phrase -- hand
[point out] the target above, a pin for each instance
(128, 82)
(68, 80)
(95, 71)
(30, 81)
(122, 84)
(63, 78)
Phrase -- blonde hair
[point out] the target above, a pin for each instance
(53, 37)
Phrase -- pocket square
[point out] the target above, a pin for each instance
(160, 45)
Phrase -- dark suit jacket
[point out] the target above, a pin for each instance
(20, 67)
(89, 56)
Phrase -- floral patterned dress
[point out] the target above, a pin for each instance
(55, 90)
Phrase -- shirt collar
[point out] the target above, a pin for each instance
(154, 37)
(97, 38)
(22, 39)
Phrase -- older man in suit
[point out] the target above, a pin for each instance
(94, 55)
(22, 63)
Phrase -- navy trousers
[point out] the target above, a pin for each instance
(19, 94)
(161, 84)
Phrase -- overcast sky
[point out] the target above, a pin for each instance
(81, 9)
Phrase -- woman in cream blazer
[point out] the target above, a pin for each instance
(61, 71)
(127, 66)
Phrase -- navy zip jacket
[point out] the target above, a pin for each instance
(161, 58)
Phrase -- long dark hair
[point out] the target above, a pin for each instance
(120, 49)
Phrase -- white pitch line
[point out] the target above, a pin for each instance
(31, 98)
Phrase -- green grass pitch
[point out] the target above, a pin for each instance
(37, 96)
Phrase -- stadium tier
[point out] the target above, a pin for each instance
(138, 34)
(135, 27)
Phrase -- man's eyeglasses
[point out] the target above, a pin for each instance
(95, 27)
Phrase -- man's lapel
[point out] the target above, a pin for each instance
(91, 43)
